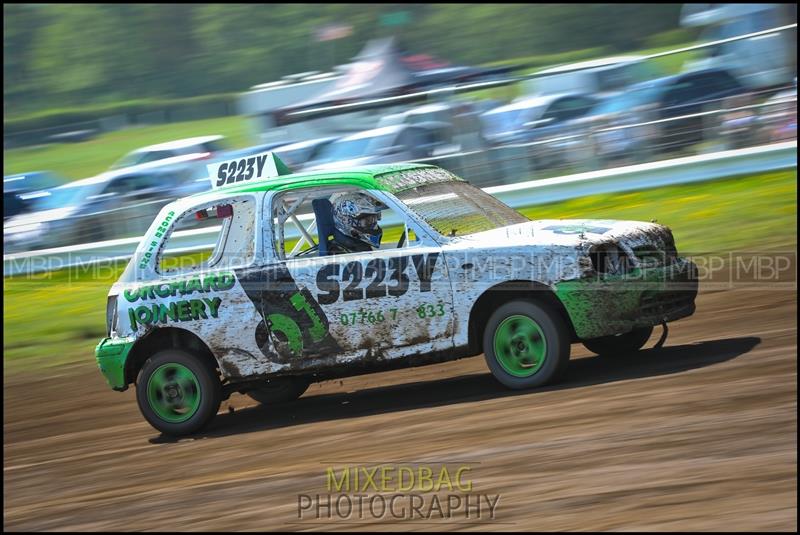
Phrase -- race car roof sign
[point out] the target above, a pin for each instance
(261, 166)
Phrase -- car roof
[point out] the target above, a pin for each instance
(594, 64)
(379, 176)
(180, 143)
(532, 102)
(375, 132)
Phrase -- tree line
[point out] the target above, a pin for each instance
(57, 55)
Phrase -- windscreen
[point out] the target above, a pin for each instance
(459, 208)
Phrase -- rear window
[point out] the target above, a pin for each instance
(230, 238)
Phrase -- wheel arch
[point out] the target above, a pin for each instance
(507, 291)
(165, 338)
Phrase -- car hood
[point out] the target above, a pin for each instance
(569, 233)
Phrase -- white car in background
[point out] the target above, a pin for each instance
(202, 148)
(110, 205)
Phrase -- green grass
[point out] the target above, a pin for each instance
(756, 212)
(81, 160)
(57, 318)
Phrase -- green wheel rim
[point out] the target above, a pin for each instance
(173, 392)
(519, 346)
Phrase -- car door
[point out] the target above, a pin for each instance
(385, 303)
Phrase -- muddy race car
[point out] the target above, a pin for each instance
(436, 270)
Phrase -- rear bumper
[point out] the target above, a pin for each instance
(609, 305)
(111, 354)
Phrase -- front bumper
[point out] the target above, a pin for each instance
(111, 354)
(616, 304)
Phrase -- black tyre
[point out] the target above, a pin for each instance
(178, 393)
(280, 390)
(619, 344)
(526, 345)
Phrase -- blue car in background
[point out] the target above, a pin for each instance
(533, 118)
(19, 190)
(676, 99)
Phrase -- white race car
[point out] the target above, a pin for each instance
(283, 299)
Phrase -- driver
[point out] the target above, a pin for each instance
(356, 216)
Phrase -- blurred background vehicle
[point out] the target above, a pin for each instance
(110, 205)
(673, 101)
(543, 119)
(598, 77)
(388, 144)
(529, 119)
(764, 61)
(202, 150)
(19, 191)
(463, 116)
(199, 148)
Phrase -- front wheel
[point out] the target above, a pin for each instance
(177, 393)
(526, 345)
(619, 344)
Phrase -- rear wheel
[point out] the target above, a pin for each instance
(177, 393)
(280, 390)
(619, 344)
(526, 345)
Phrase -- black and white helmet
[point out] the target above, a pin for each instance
(356, 215)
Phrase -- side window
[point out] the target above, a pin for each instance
(407, 139)
(305, 224)
(132, 187)
(722, 81)
(154, 156)
(119, 186)
(553, 112)
(575, 107)
(680, 93)
(231, 237)
(211, 146)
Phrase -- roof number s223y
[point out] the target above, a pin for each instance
(254, 167)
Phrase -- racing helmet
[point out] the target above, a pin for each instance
(356, 215)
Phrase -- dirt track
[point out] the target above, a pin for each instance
(699, 435)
